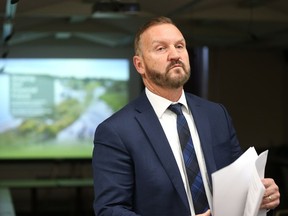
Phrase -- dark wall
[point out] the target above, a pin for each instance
(252, 85)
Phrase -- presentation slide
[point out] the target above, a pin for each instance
(50, 108)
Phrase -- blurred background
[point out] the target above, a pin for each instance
(239, 57)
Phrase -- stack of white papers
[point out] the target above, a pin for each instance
(237, 188)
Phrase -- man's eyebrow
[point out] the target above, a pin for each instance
(157, 41)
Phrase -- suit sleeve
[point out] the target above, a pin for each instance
(113, 174)
(236, 148)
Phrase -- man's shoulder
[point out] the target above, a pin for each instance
(208, 106)
(129, 110)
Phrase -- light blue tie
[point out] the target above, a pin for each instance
(192, 167)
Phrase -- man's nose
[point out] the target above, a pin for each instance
(173, 54)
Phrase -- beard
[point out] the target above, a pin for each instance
(172, 78)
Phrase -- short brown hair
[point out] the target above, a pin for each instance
(141, 30)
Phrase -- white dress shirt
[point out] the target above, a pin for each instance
(167, 119)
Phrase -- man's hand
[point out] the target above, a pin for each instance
(271, 198)
(207, 213)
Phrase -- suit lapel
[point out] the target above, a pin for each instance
(152, 127)
(204, 132)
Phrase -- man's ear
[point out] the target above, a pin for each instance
(138, 64)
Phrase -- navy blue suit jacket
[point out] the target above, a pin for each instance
(134, 169)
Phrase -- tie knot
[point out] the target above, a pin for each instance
(176, 108)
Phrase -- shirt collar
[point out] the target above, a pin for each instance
(161, 104)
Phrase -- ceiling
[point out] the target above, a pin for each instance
(218, 23)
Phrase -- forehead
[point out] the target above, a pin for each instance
(162, 32)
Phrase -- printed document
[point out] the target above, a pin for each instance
(237, 188)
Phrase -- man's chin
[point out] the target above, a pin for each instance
(175, 84)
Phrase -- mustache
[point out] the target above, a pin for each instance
(175, 62)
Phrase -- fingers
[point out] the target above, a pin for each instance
(271, 197)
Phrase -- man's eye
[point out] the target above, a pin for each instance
(160, 49)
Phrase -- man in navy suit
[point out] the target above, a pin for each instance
(137, 165)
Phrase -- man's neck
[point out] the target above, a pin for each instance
(170, 94)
